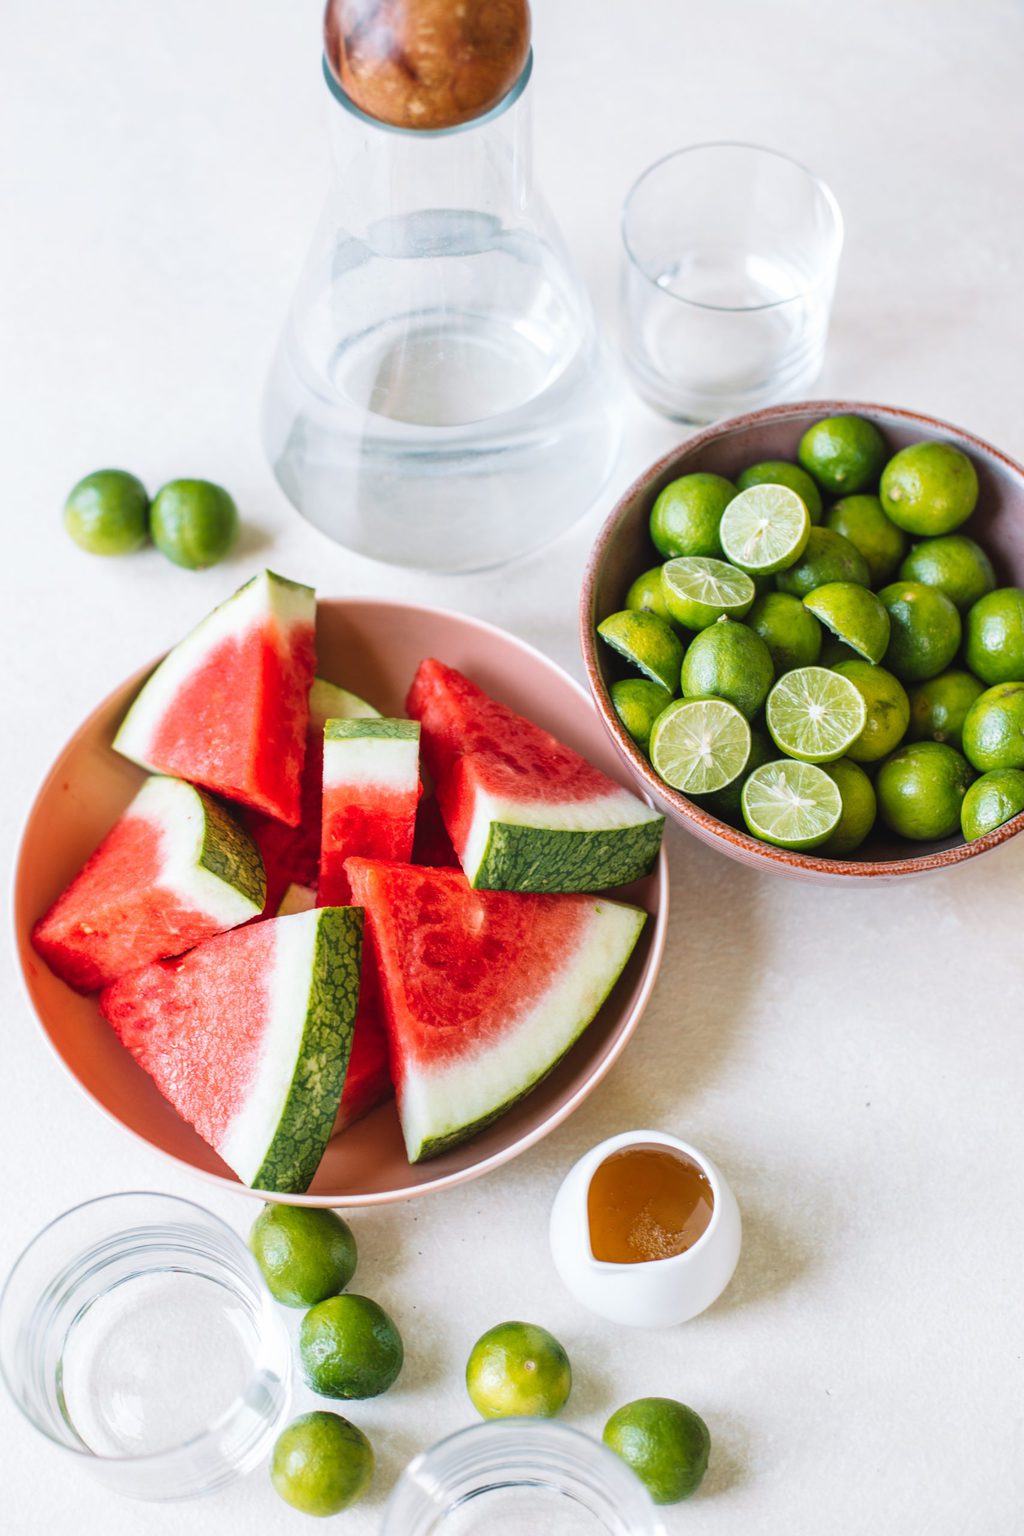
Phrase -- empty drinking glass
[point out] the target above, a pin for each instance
(730, 263)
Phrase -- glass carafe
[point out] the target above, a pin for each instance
(439, 397)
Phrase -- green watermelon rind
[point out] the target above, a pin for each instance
(356, 729)
(230, 854)
(306, 1121)
(553, 860)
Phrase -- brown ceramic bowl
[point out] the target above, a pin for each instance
(624, 550)
(374, 648)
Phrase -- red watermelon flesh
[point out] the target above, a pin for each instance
(371, 790)
(483, 991)
(432, 845)
(523, 810)
(368, 1081)
(174, 870)
(248, 1036)
(228, 707)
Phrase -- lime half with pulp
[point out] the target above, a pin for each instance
(700, 745)
(815, 715)
(854, 615)
(648, 642)
(764, 529)
(793, 805)
(698, 592)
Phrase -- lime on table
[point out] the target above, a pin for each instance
(845, 454)
(782, 472)
(193, 522)
(992, 800)
(860, 808)
(854, 615)
(698, 592)
(921, 789)
(646, 594)
(791, 633)
(729, 661)
(994, 646)
(793, 805)
(862, 520)
(349, 1347)
(107, 513)
(666, 1444)
(925, 630)
(686, 515)
(764, 529)
(646, 641)
(700, 745)
(815, 715)
(518, 1370)
(993, 732)
(929, 488)
(638, 702)
(888, 709)
(955, 564)
(938, 707)
(321, 1463)
(304, 1254)
(827, 556)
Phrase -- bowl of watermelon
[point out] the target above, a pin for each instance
(492, 894)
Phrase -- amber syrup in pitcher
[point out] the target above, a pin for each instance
(647, 1202)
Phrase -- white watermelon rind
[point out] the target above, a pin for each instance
(277, 1139)
(439, 1109)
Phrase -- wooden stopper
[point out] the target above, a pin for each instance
(427, 63)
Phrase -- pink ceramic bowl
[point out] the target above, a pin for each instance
(373, 648)
(624, 550)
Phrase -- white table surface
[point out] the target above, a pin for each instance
(852, 1059)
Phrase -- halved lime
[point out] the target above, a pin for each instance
(793, 805)
(991, 800)
(700, 745)
(699, 591)
(648, 642)
(764, 529)
(854, 615)
(815, 715)
(782, 472)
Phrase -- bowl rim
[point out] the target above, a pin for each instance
(685, 811)
(22, 925)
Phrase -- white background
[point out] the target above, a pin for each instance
(852, 1059)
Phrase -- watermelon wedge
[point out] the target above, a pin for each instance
(248, 1036)
(371, 788)
(483, 991)
(291, 855)
(524, 812)
(172, 871)
(228, 707)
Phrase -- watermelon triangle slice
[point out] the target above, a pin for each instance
(371, 788)
(173, 870)
(524, 812)
(484, 991)
(228, 707)
(248, 1036)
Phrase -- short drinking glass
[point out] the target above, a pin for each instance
(730, 263)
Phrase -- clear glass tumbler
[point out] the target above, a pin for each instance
(519, 1477)
(439, 397)
(731, 254)
(136, 1333)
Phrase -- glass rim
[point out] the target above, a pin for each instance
(153, 1458)
(828, 197)
(509, 99)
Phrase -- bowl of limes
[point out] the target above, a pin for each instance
(804, 632)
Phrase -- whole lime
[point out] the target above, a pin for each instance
(638, 702)
(845, 454)
(955, 564)
(929, 488)
(193, 522)
(518, 1370)
(993, 732)
(782, 472)
(992, 800)
(304, 1254)
(729, 660)
(686, 515)
(887, 705)
(321, 1463)
(647, 595)
(994, 645)
(106, 513)
(791, 633)
(859, 808)
(666, 1444)
(924, 630)
(827, 557)
(349, 1347)
(862, 520)
(921, 789)
(938, 707)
